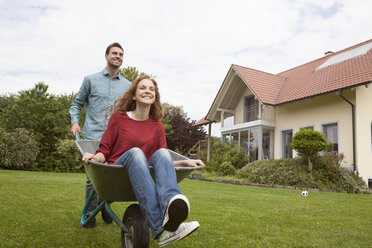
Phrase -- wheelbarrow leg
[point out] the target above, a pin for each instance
(83, 219)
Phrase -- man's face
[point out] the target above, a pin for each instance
(115, 57)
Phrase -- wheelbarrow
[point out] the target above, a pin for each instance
(112, 184)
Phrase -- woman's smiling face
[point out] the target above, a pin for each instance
(145, 92)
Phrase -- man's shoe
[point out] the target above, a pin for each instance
(105, 216)
(91, 223)
(185, 229)
(177, 211)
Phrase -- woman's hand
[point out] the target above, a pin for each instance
(99, 157)
(189, 163)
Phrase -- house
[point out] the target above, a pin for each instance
(260, 112)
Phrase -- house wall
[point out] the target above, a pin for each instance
(363, 128)
(316, 111)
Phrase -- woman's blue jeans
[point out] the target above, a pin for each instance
(153, 197)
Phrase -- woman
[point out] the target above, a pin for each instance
(135, 139)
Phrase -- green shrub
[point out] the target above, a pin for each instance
(67, 158)
(226, 168)
(19, 149)
(294, 172)
(308, 143)
(222, 152)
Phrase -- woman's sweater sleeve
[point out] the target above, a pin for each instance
(109, 137)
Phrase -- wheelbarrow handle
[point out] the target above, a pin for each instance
(77, 136)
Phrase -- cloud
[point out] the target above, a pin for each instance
(188, 45)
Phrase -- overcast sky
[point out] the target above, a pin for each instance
(189, 45)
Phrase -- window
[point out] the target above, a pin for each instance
(308, 127)
(369, 183)
(286, 143)
(331, 134)
(251, 105)
(268, 143)
(253, 144)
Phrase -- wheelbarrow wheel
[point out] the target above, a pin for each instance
(137, 226)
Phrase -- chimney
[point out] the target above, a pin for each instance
(328, 53)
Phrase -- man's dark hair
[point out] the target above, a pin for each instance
(116, 44)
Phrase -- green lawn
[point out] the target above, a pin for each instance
(39, 209)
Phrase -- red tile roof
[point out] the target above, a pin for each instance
(264, 85)
(305, 81)
(202, 122)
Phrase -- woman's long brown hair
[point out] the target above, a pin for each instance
(126, 102)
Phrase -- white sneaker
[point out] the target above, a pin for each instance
(185, 229)
(177, 211)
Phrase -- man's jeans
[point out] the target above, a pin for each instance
(153, 197)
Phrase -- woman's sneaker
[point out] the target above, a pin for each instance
(177, 211)
(185, 229)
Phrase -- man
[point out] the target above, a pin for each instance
(98, 91)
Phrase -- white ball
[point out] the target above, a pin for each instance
(304, 193)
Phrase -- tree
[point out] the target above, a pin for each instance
(45, 115)
(183, 135)
(131, 73)
(308, 143)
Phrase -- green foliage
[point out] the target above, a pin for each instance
(294, 172)
(44, 115)
(18, 149)
(67, 157)
(226, 168)
(131, 73)
(308, 143)
(170, 110)
(223, 152)
(183, 135)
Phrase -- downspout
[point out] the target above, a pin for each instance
(353, 127)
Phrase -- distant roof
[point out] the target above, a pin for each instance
(202, 122)
(347, 68)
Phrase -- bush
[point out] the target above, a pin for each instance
(67, 158)
(19, 149)
(226, 169)
(222, 152)
(294, 172)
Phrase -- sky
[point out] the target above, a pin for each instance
(188, 45)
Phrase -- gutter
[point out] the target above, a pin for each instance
(353, 127)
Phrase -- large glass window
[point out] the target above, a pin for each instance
(253, 144)
(235, 138)
(251, 105)
(286, 143)
(226, 138)
(244, 141)
(331, 134)
(268, 143)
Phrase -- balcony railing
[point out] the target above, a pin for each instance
(251, 113)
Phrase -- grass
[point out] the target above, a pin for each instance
(39, 209)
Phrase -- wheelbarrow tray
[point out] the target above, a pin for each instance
(111, 182)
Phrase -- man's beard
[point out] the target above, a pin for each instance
(113, 66)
